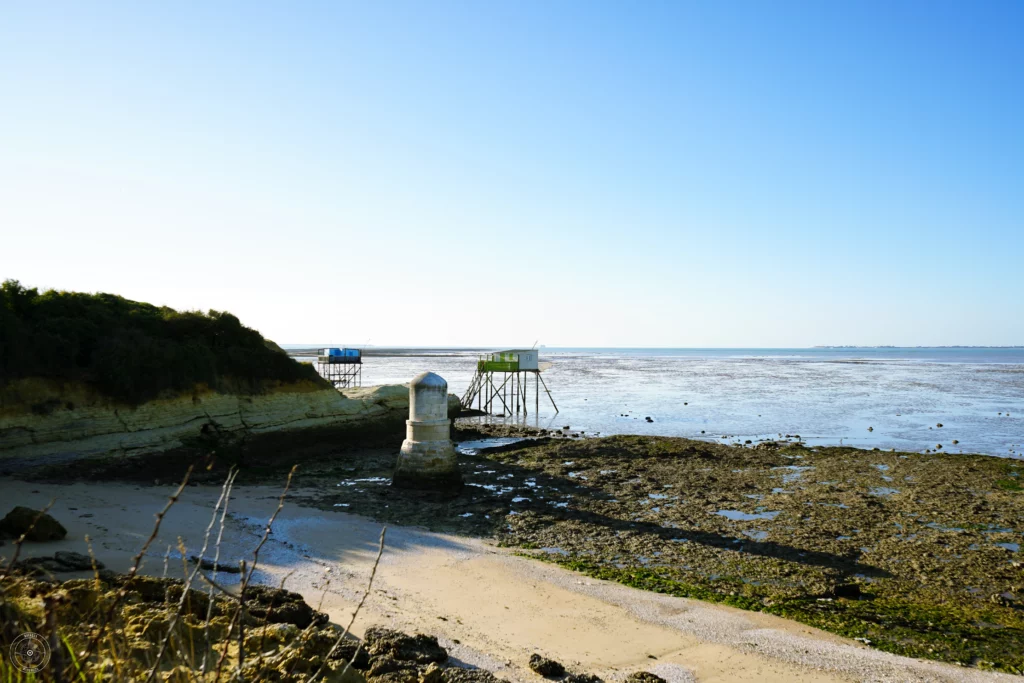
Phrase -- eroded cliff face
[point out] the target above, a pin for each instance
(43, 419)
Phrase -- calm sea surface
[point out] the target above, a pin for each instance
(827, 396)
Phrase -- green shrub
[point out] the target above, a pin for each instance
(132, 351)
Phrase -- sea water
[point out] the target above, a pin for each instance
(827, 396)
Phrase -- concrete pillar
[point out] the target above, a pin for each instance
(427, 459)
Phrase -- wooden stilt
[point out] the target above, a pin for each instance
(550, 397)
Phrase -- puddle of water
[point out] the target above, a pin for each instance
(555, 551)
(778, 490)
(474, 447)
(737, 516)
(657, 496)
(497, 488)
(881, 468)
(795, 472)
(577, 475)
(1012, 547)
(466, 514)
(844, 538)
(367, 480)
(756, 535)
(882, 491)
(519, 499)
(341, 505)
(558, 505)
(936, 525)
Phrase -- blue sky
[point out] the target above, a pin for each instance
(578, 173)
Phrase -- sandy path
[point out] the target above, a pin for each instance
(498, 607)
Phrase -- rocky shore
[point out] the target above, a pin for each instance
(280, 638)
(123, 627)
(916, 554)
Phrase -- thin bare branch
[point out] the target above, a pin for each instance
(369, 586)
(229, 483)
(136, 561)
(247, 576)
(188, 582)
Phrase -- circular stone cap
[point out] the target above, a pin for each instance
(428, 379)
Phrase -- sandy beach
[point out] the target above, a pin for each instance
(490, 607)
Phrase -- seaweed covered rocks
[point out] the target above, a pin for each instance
(120, 628)
(548, 668)
(922, 554)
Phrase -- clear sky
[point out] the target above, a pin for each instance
(486, 173)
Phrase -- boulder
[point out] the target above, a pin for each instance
(35, 525)
(644, 677)
(278, 606)
(420, 649)
(75, 562)
(548, 668)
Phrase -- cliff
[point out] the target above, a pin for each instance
(48, 420)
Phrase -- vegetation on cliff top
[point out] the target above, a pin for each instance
(132, 351)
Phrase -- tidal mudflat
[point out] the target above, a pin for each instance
(828, 396)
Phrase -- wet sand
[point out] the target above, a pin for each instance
(490, 607)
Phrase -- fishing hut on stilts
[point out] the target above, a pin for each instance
(341, 367)
(502, 382)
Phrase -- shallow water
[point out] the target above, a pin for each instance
(826, 396)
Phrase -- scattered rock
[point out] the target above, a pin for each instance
(75, 561)
(208, 564)
(548, 668)
(583, 678)
(454, 675)
(939, 425)
(41, 566)
(432, 674)
(278, 606)
(420, 649)
(385, 664)
(644, 677)
(20, 520)
(846, 590)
